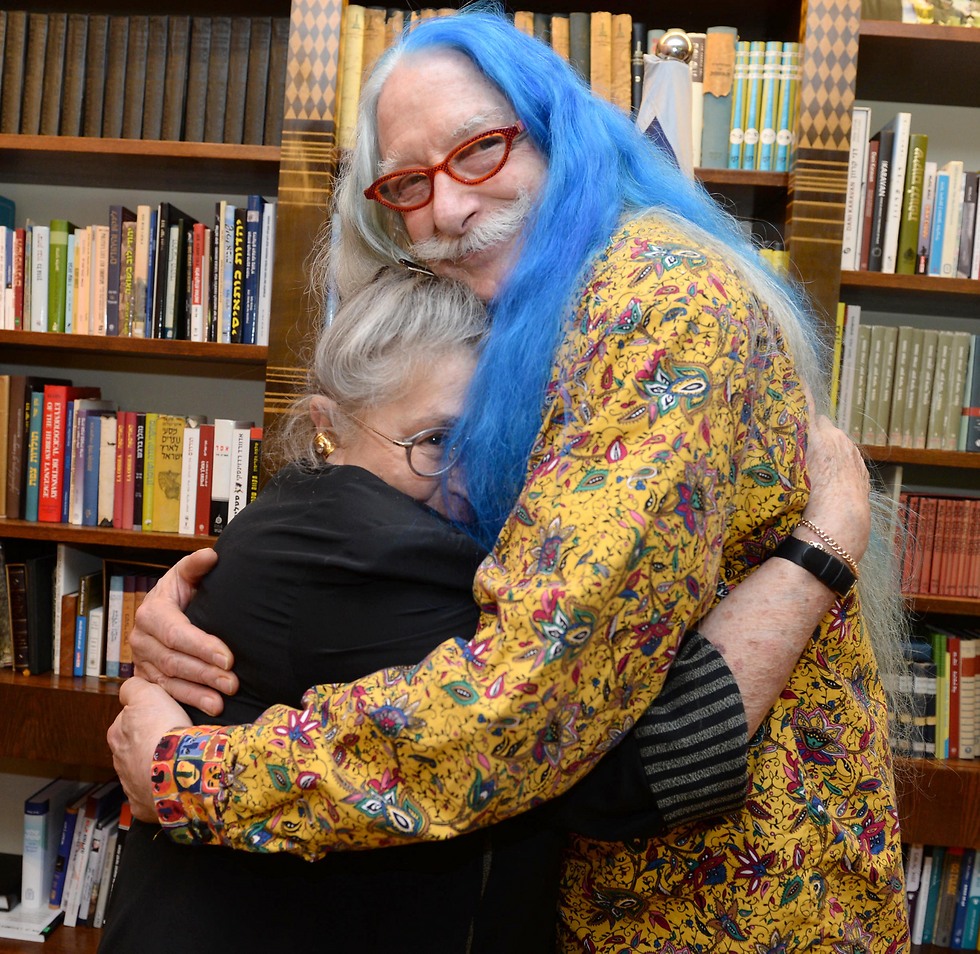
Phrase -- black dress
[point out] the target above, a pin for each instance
(327, 577)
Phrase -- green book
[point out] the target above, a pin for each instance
(58, 273)
(149, 468)
(908, 232)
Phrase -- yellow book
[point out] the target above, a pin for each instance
(838, 352)
(559, 35)
(622, 61)
(168, 451)
(374, 39)
(600, 54)
(524, 21)
(349, 81)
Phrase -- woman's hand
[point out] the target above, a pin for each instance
(191, 665)
(148, 714)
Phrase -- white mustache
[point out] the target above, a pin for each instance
(497, 228)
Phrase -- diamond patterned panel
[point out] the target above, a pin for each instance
(830, 48)
(314, 46)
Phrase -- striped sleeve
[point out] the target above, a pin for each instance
(693, 740)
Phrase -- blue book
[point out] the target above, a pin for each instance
(932, 898)
(736, 135)
(66, 461)
(938, 224)
(971, 924)
(32, 476)
(8, 212)
(70, 289)
(64, 846)
(717, 110)
(91, 439)
(253, 228)
(117, 215)
(962, 899)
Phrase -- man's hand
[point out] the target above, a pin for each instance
(148, 714)
(184, 660)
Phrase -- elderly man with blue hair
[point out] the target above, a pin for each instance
(634, 445)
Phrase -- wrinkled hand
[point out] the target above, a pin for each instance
(148, 714)
(168, 650)
(839, 486)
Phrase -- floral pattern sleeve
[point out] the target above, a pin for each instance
(612, 550)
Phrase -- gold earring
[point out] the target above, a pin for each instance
(323, 446)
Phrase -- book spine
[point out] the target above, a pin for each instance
(736, 133)
(911, 214)
(719, 67)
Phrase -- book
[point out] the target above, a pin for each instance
(219, 50)
(900, 126)
(970, 423)
(175, 85)
(117, 44)
(53, 447)
(927, 368)
(156, 72)
(925, 217)
(580, 43)
(10, 880)
(89, 595)
(52, 81)
(885, 137)
(124, 825)
(100, 272)
(44, 814)
(117, 215)
(911, 212)
(167, 452)
(105, 505)
(12, 85)
(6, 632)
(868, 191)
(946, 902)
(856, 175)
(719, 66)
(92, 878)
(621, 39)
(189, 476)
(238, 65)
(224, 429)
(253, 230)
(4, 428)
(953, 219)
(65, 841)
(862, 355)
(169, 278)
(114, 624)
(257, 83)
(97, 917)
(40, 249)
(37, 41)
(740, 82)
(964, 259)
(76, 44)
(752, 104)
(134, 91)
(900, 385)
(276, 92)
(267, 249)
(940, 394)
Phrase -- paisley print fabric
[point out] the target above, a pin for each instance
(669, 463)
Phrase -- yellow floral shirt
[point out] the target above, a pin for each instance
(669, 463)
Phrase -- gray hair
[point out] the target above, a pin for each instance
(379, 339)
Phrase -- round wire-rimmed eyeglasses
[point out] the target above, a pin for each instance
(428, 452)
(473, 161)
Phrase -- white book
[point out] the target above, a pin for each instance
(103, 801)
(76, 459)
(238, 470)
(856, 181)
(975, 264)
(93, 870)
(73, 863)
(190, 458)
(267, 255)
(852, 324)
(81, 324)
(696, 62)
(141, 270)
(70, 565)
(105, 880)
(94, 641)
(174, 259)
(925, 219)
(919, 918)
(113, 628)
(954, 218)
(4, 268)
(107, 469)
(44, 814)
(896, 191)
(40, 252)
(99, 279)
(70, 285)
(221, 471)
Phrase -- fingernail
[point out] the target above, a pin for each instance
(226, 686)
(221, 661)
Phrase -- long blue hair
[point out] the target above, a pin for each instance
(600, 170)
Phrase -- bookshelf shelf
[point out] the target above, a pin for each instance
(60, 719)
(101, 536)
(948, 605)
(940, 801)
(958, 297)
(34, 347)
(75, 940)
(886, 454)
(221, 168)
(929, 51)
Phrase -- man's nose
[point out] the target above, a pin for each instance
(452, 204)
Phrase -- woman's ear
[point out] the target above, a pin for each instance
(321, 412)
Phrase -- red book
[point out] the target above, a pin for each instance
(20, 240)
(973, 563)
(202, 510)
(940, 550)
(869, 203)
(53, 452)
(119, 475)
(127, 427)
(927, 530)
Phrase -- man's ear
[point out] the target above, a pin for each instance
(321, 412)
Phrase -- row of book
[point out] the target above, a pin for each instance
(73, 457)
(906, 386)
(943, 890)
(904, 213)
(69, 611)
(743, 94)
(945, 12)
(153, 273)
(74, 834)
(943, 679)
(199, 79)
(940, 545)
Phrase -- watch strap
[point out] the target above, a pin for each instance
(827, 568)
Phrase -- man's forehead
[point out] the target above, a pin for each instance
(434, 134)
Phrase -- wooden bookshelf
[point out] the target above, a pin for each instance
(887, 454)
(176, 543)
(221, 168)
(925, 52)
(939, 801)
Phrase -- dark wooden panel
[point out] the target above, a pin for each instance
(939, 802)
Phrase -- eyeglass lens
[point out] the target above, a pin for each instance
(431, 453)
(475, 161)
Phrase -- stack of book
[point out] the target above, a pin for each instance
(904, 213)
(943, 889)
(199, 79)
(153, 273)
(906, 386)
